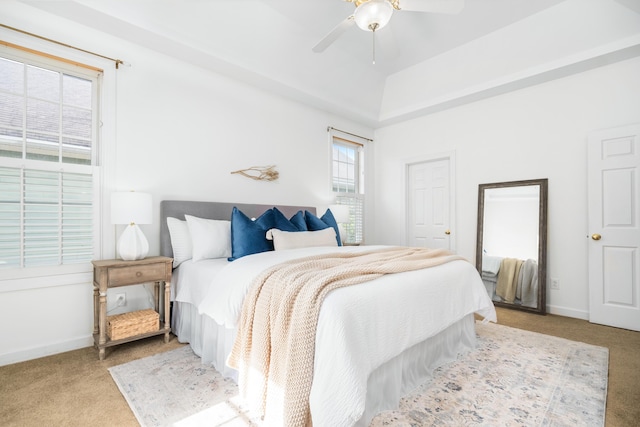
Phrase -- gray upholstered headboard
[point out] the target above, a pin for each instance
(210, 210)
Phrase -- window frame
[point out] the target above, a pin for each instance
(42, 54)
(356, 199)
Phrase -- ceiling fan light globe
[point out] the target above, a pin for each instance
(373, 15)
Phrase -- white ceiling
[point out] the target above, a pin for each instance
(268, 43)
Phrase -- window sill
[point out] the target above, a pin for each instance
(45, 277)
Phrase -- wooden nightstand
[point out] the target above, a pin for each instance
(116, 272)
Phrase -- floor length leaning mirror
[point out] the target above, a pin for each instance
(511, 251)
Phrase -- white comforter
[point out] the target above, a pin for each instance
(360, 327)
(190, 282)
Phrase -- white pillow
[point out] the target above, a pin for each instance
(180, 240)
(211, 238)
(301, 239)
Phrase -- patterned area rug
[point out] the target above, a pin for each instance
(513, 378)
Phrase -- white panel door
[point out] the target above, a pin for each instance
(614, 227)
(428, 204)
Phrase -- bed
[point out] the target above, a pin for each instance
(375, 341)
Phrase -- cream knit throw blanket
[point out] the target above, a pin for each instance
(275, 345)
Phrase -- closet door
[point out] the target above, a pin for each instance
(429, 204)
(614, 227)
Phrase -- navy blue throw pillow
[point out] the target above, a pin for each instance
(249, 237)
(325, 221)
(296, 223)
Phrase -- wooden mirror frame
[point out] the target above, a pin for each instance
(542, 240)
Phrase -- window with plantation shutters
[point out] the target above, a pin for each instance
(347, 182)
(48, 121)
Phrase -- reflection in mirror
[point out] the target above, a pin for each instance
(511, 245)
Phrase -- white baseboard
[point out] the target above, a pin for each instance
(47, 350)
(568, 312)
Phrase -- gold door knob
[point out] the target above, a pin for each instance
(596, 236)
(447, 232)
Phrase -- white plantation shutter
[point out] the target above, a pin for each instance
(77, 218)
(48, 139)
(354, 228)
(46, 218)
(10, 218)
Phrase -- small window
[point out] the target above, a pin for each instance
(48, 128)
(347, 182)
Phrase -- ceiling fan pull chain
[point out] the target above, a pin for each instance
(373, 39)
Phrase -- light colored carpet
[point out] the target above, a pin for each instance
(514, 377)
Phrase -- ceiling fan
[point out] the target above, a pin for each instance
(372, 15)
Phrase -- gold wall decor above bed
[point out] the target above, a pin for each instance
(260, 173)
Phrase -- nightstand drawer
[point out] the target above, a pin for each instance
(136, 274)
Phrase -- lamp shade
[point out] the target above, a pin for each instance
(131, 207)
(373, 15)
(340, 213)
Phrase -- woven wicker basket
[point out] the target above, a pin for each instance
(126, 325)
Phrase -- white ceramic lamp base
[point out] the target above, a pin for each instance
(132, 244)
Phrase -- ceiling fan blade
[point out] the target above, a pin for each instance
(334, 34)
(450, 7)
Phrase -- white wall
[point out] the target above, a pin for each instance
(180, 131)
(538, 132)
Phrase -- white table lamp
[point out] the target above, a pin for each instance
(131, 208)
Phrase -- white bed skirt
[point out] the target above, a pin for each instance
(386, 385)
(210, 341)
